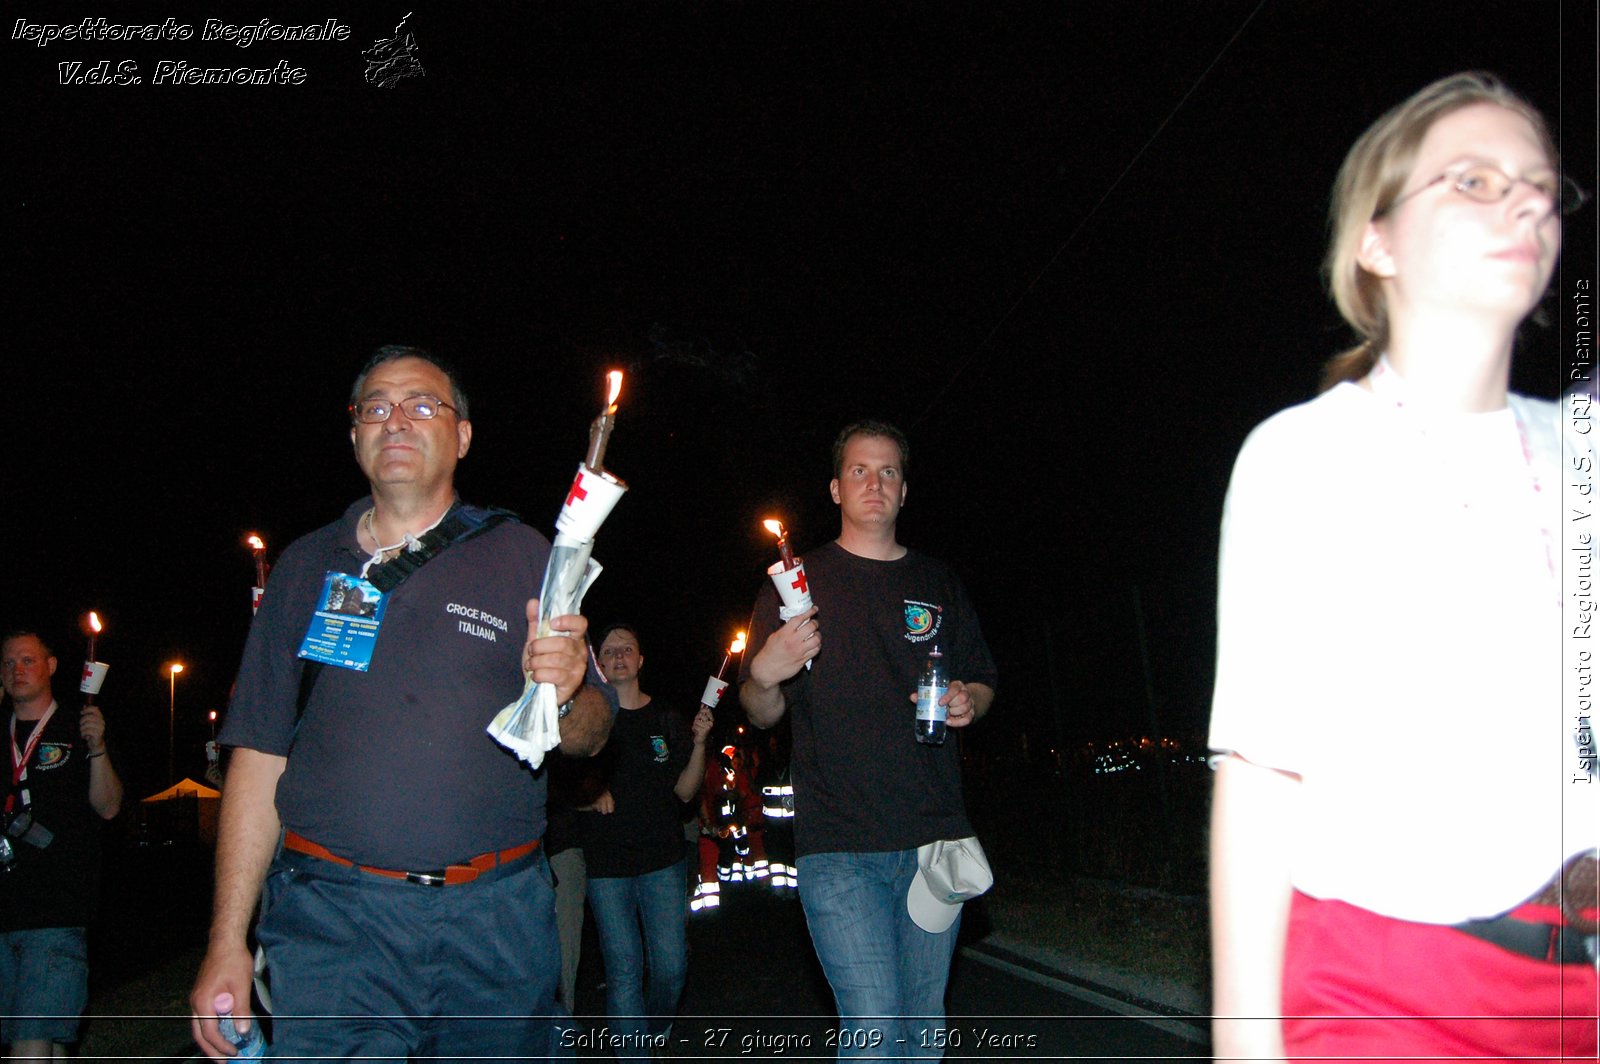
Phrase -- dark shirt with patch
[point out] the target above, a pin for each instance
(393, 767)
(646, 753)
(58, 885)
(862, 783)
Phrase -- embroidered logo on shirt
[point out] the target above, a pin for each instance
(51, 755)
(658, 743)
(922, 620)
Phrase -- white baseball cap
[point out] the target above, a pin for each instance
(949, 872)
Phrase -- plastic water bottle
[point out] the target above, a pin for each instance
(251, 1045)
(931, 686)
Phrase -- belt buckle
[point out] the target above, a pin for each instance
(426, 879)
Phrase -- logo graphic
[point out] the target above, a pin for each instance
(52, 755)
(390, 60)
(658, 743)
(922, 620)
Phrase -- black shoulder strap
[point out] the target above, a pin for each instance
(460, 525)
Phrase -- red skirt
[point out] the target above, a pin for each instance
(1356, 984)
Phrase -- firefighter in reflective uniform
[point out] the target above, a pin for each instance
(708, 891)
(731, 849)
(777, 810)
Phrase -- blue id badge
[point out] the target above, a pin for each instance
(345, 627)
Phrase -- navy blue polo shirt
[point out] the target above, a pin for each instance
(393, 767)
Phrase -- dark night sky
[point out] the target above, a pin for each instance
(1072, 248)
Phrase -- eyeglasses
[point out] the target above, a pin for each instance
(1490, 184)
(417, 408)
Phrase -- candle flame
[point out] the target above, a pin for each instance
(94, 621)
(737, 646)
(255, 542)
(615, 377)
(775, 526)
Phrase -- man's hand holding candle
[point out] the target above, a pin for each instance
(92, 726)
(560, 659)
(787, 650)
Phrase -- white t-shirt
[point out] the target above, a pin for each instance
(1389, 628)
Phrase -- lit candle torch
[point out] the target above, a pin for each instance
(788, 575)
(94, 672)
(531, 725)
(775, 526)
(600, 428)
(258, 550)
(594, 491)
(735, 647)
(716, 685)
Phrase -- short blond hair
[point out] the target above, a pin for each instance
(1371, 179)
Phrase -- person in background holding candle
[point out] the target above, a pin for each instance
(1402, 844)
(633, 846)
(408, 910)
(60, 787)
(866, 793)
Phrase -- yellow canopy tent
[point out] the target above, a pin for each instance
(188, 788)
(172, 822)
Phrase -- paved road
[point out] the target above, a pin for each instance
(755, 990)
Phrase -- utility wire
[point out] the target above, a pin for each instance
(1084, 221)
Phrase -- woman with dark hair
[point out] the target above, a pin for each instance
(1404, 820)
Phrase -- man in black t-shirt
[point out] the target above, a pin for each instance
(59, 788)
(866, 793)
(633, 846)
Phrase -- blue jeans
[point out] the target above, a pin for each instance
(641, 920)
(44, 983)
(888, 975)
(370, 967)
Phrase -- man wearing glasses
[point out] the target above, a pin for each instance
(407, 908)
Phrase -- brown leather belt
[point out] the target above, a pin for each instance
(444, 877)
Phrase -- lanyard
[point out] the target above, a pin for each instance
(21, 757)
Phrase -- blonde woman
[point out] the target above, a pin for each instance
(1395, 802)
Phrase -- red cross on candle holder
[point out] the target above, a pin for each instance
(578, 492)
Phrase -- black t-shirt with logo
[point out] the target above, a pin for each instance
(862, 782)
(646, 753)
(58, 885)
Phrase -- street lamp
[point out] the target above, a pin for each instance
(172, 717)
